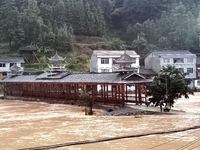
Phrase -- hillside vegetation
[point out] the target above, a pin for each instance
(76, 27)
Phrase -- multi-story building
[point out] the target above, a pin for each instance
(197, 81)
(114, 61)
(181, 59)
(6, 64)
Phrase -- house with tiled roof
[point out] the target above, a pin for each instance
(197, 82)
(7, 64)
(181, 59)
(114, 61)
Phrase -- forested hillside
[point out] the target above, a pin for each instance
(141, 25)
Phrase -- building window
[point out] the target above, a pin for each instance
(198, 83)
(166, 60)
(11, 64)
(104, 60)
(189, 60)
(189, 70)
(2, 65)
(134, 60)
(181, 70)
(178, 60)
(104, 70)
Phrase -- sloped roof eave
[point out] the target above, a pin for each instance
(110, 78)
(124, 61)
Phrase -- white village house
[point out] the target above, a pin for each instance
(114, 61)
(181, 59)
(6, 64)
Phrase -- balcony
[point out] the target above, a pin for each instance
(56, 68)
(123, 68)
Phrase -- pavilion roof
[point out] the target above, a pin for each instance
(15, 68)
(56, 57)
(124, 58)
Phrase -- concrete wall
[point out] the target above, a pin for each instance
(96, 66)
(7, 67)
(152, 62)
(104, 66)
(93, 63)
(184, 65)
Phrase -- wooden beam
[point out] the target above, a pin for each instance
(140, 93)
(136, 90)
(123, 92)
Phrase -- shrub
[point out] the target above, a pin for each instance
(87, 101)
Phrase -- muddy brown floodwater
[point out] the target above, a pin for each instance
(34, 124)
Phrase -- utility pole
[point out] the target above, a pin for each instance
(166, 85)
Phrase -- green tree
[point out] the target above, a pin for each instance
(181, 29)
(59, 13)
(140, 44)
(46, 13)
(164, 25)
(89, 20)
(88, 102)
(169, 85)
(100, 25)
(32, 22)
(133, 11)
(49, 39)
(107, 7)
(64, 39)
(149, 27)
(116, 44)
(78, 17)
(163, 42)
(10, 22)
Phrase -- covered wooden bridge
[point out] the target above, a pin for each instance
(107, 88)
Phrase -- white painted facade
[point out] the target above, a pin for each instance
(7, 63)
(184, 60)
(102, 61)
(7, 66)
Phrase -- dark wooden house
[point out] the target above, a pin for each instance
(28, 53)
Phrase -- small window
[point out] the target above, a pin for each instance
(178, 60)
(189, 70)
(190, 60)
(104, 70)
(2, 65)
(134, 60)
(198, 83)
(104, 60)
(181, 70)
(166, 60)
(11, 64)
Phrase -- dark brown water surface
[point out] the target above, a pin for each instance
(33, 124)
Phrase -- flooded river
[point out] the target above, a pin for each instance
(34, 124)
